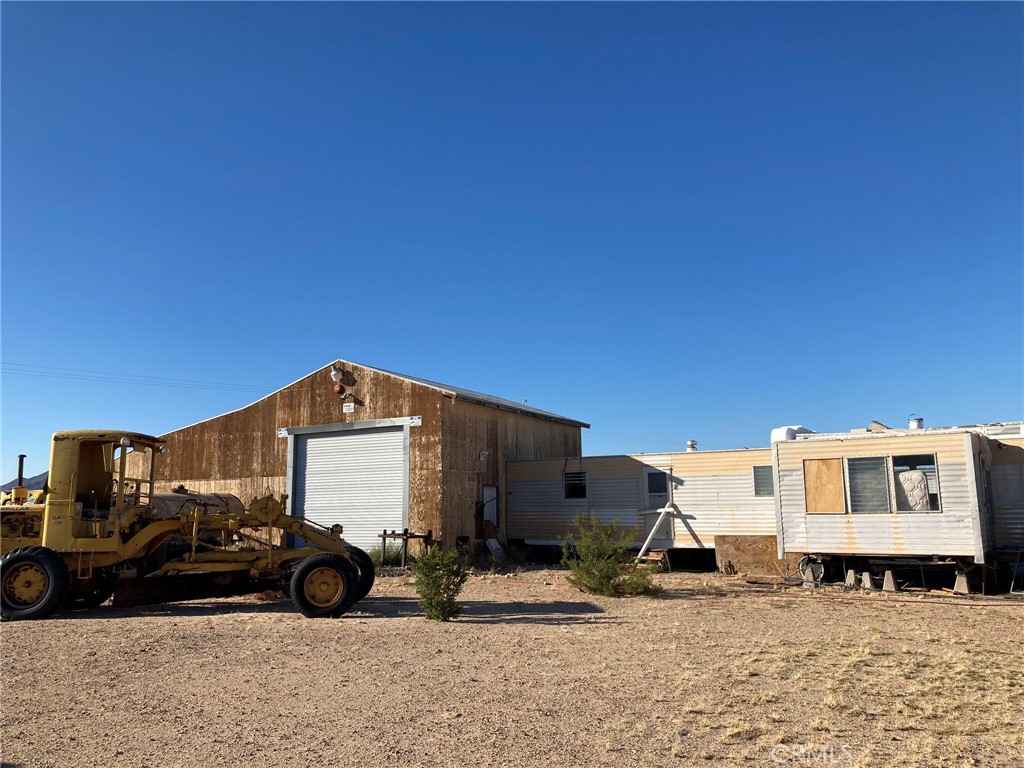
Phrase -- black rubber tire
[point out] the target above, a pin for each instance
(96, 593)
(324, 585)
(32, 568)
(364, 565)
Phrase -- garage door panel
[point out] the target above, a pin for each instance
(356, 478)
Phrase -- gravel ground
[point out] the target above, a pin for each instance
(713, 672)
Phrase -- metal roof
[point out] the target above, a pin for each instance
(458, 393)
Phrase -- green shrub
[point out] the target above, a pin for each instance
(439, 579)
(392, 555)
(599, 561)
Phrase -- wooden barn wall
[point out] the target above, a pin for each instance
(470, 429)
(240, 452)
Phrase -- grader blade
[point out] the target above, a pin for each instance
(193, 586)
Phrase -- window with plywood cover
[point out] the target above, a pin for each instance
(824, 489)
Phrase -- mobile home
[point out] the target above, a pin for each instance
(712, 496)
(954, 494)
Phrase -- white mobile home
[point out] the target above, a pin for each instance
(712, 494)
(955, 493)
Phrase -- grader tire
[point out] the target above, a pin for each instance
(324, 585)
(33, 583)
(367, 573)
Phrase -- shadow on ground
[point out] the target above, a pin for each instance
(381, 606)
(493, 612)
(185, 608)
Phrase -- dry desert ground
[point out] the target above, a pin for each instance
(715, 671)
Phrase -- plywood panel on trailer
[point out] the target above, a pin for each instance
(824, 490)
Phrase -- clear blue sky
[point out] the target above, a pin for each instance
(670, 220)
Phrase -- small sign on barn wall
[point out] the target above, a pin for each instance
(415, 421)
(282, 431)
(348, 408)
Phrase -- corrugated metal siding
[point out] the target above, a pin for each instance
(477, 442)
(723, 505)
(537, 510)
(948, 532)
(1008, 502)
(355, 478)
(946, 447)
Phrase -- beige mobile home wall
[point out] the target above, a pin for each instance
(954, 530)
(538, 510)
(1006, 475)
(713, 492)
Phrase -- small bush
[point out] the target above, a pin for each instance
(599, 561)
(392, 555)
(439, 579)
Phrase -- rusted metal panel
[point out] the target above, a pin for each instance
(478, 440)
(241, 453)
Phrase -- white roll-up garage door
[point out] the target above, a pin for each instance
(355, 477)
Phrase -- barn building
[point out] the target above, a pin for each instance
(372, 450)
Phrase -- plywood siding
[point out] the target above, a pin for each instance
(951, 531)
(712, 490)
(471, 430)
(240, 452)
(824, 489)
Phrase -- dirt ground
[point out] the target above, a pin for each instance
(713, 672)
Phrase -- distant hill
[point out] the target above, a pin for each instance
(32, 483)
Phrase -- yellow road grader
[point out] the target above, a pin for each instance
(98, 531)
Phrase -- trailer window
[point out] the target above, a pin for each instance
(575, 485)
(916, 482)
(764, 482)
(657, 483)
(868, 484)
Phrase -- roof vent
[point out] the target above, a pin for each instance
(691, 446)
(915, 422)
(785, 434)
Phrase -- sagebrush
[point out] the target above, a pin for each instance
(439, 579)
(598, 558)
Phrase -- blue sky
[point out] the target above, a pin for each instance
(673, 221)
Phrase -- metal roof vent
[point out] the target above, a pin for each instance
(691, 446)
(915, 422)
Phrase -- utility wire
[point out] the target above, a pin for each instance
(110, 377)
